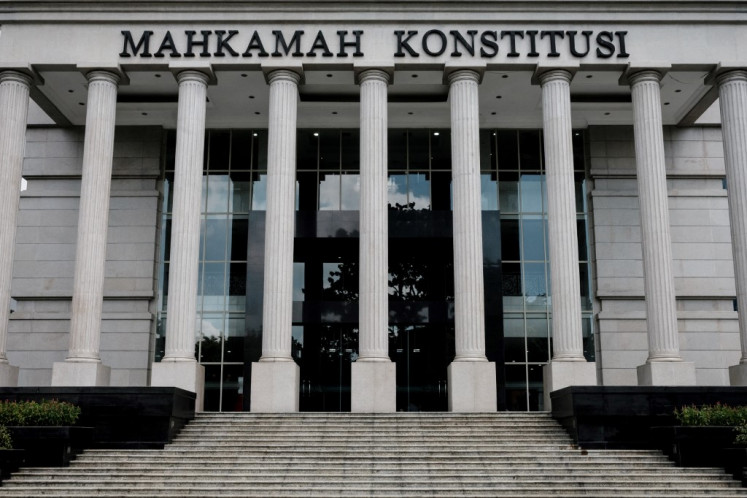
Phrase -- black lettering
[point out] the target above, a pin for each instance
(621, 38)
(280, 42)
(319, 44)
(553, 35)
(356, 44)
(255, 44)
(460, 40)
(491, 44)
(426, 48)
(533, 44)
(405, 44)
(167, 44)
(144, 43)
(512, 41)
(191, 43)
(606, 48)
(223, 43)
(572, 42)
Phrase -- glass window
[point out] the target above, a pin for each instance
(350, 199)
(508, 188)
(329, 192)
(215, 238)
(532, 240)
(489, 192)
(508, 150)
(419, 191)
(239, 192)
(531, 193)
(510, 239)
(397, 190)
(329, 150)
(259, 193)
(440, 150)
(418, 151)
(350, 150)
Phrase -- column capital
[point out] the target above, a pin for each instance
(550, 75)
(16, 77)
(284, 74)
(732, 75)
(374, 74)
(643, 76)
(465, 74)
(103, 75)
(192, 75)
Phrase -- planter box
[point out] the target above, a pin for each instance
(11, 461)
(50, 446)
(696, 446)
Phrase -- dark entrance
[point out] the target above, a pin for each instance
(325, 311)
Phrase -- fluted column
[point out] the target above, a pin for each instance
(276, 378)
(373, 377)
(567, 336)
(661, 305)
(14, 103)
(733, 102)
(83, 365)
(471, 387)
(568, 366)
(179, 367)
(374, 270)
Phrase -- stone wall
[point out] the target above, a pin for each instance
(701, 246)
(45, 254)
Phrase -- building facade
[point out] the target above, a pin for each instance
(366, 207)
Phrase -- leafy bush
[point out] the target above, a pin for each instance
(741, 435)
(708, 415)
(46, 412)
(6, 443)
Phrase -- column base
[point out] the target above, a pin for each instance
(472, 386)
(667, 373)
(8, 375)
(738, 375)
(80, 373)
(373, 387)
(275, 386)
(187, 374)
(559, 374)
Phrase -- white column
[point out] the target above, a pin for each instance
(471, 378)
(568, 366)
(664, 365)
(83, 365)
(373, 375)
(179, 368)
(733, 102)
(14, 104)
(276, 377)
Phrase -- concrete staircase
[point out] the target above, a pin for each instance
(403, 455)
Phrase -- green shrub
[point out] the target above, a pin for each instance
(6, 443)
(741, 435)
(45, 412)
(707, 415)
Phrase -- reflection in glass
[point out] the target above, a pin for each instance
(329, 193)
(215, 238)
(419, 191)
(533, 232)
(259, 193)
(298, 281)
(488, 192)
(239, 200)
(217, 191)
(535, 289)
(508, 187)
(531, 193)
(213, 286)
(397, 190)
(351, 192)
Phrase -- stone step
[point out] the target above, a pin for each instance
(581, 474)
(379, 491)
(157, 482)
